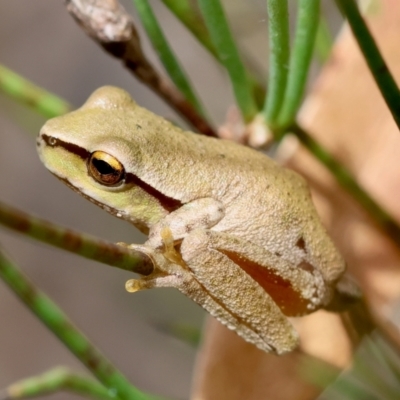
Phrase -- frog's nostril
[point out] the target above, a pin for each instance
(49, 140)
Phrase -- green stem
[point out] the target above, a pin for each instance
(307, 24)
(374, 373)
(323, 40)
(384, 220)
(184, 11)
(53, 317)
(31, 95)
(187, 12)
(376, 63)
(55, 380)
(279, 37)
(228, 53)
(79, 243)
(164, 51)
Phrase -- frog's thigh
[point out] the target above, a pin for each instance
(296, 289)
(255, 314)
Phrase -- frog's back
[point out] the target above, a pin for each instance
(272, 206)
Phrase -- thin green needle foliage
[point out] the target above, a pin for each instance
(323, 40)
(374, 373)
(279, 52)
(164, 51)
(377, 65)
(76, 242)
(302, 50)
(228, 54)
(53, 317)
(193, 21)
(25, 92)
(55, 380)
(187, 12)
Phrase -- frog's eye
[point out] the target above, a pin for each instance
(105, 169)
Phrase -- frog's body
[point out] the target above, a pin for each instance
(237, 221)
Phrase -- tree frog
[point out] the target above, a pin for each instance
(226, 225)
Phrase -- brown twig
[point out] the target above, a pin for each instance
(76, 242)
(108, 23)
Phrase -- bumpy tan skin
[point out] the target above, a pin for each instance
(227, 226)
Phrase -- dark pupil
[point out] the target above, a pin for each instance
(103, 167)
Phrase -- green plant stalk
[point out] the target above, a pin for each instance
(383, 219)
(351, 388)
(374, 373)
(82, 244)
(57, 379)
(164, 51)
(379, 69)
(221, 36)
(302, 50)
(392, 358)
(193, 21)
(323, 40)
(279, 38)
(52, 316)
(25, 92)
(186, 12)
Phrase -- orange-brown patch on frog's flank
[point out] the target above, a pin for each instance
(281, 290)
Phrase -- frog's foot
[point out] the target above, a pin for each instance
(169, 269)
(152, 281)
(168, 248)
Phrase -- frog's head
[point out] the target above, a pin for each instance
(97, 151)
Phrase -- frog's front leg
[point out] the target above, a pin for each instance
(169, 268)
(198, 214)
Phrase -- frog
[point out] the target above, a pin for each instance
(225, 224)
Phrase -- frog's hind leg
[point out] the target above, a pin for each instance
(297, 289)
(232, 295)
(171, 271)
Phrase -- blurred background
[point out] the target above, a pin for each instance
(40, 41)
